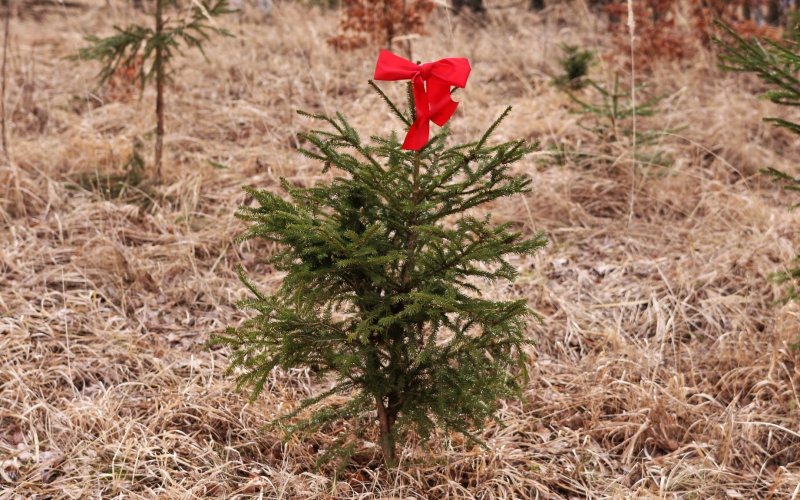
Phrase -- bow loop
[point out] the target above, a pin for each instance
(431, 84)
(392, 67)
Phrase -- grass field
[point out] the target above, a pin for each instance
(663, 367)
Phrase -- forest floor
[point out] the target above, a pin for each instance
(663, 365)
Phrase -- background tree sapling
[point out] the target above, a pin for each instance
(151, 50)
(608, 113)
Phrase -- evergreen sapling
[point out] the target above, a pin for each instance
(384, 269)
(575, 64)
(151, 50)
(609, 114)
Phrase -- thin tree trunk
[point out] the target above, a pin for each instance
(160, 77)
(476, 6)
(388, 445)
(774, 12)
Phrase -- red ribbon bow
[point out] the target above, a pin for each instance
(432, 82)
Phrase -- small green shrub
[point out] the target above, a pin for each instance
(575, 64)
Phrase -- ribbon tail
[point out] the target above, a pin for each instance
(418, 135)
(441, 105)
(420, 130)
(422, 108)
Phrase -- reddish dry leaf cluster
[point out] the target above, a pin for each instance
(379, 21)
(122, 84)
(737, 14)
(656, 32)
(659, 36)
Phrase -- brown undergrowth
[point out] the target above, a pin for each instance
(662, 368)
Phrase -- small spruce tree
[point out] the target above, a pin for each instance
(382, 292)
(151, 50)
(609, 113)
(575, 64)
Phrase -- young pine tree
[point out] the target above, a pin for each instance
(609, 113)
(575, 64)
(151, 50)
(384, 272)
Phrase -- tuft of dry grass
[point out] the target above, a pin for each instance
(662, 368)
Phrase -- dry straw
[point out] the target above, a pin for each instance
(632, 37)
(663, 367)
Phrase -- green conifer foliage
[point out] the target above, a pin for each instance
(776, 63)
(382, 289)
(575, 64)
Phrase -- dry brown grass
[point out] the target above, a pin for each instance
(663, 368)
